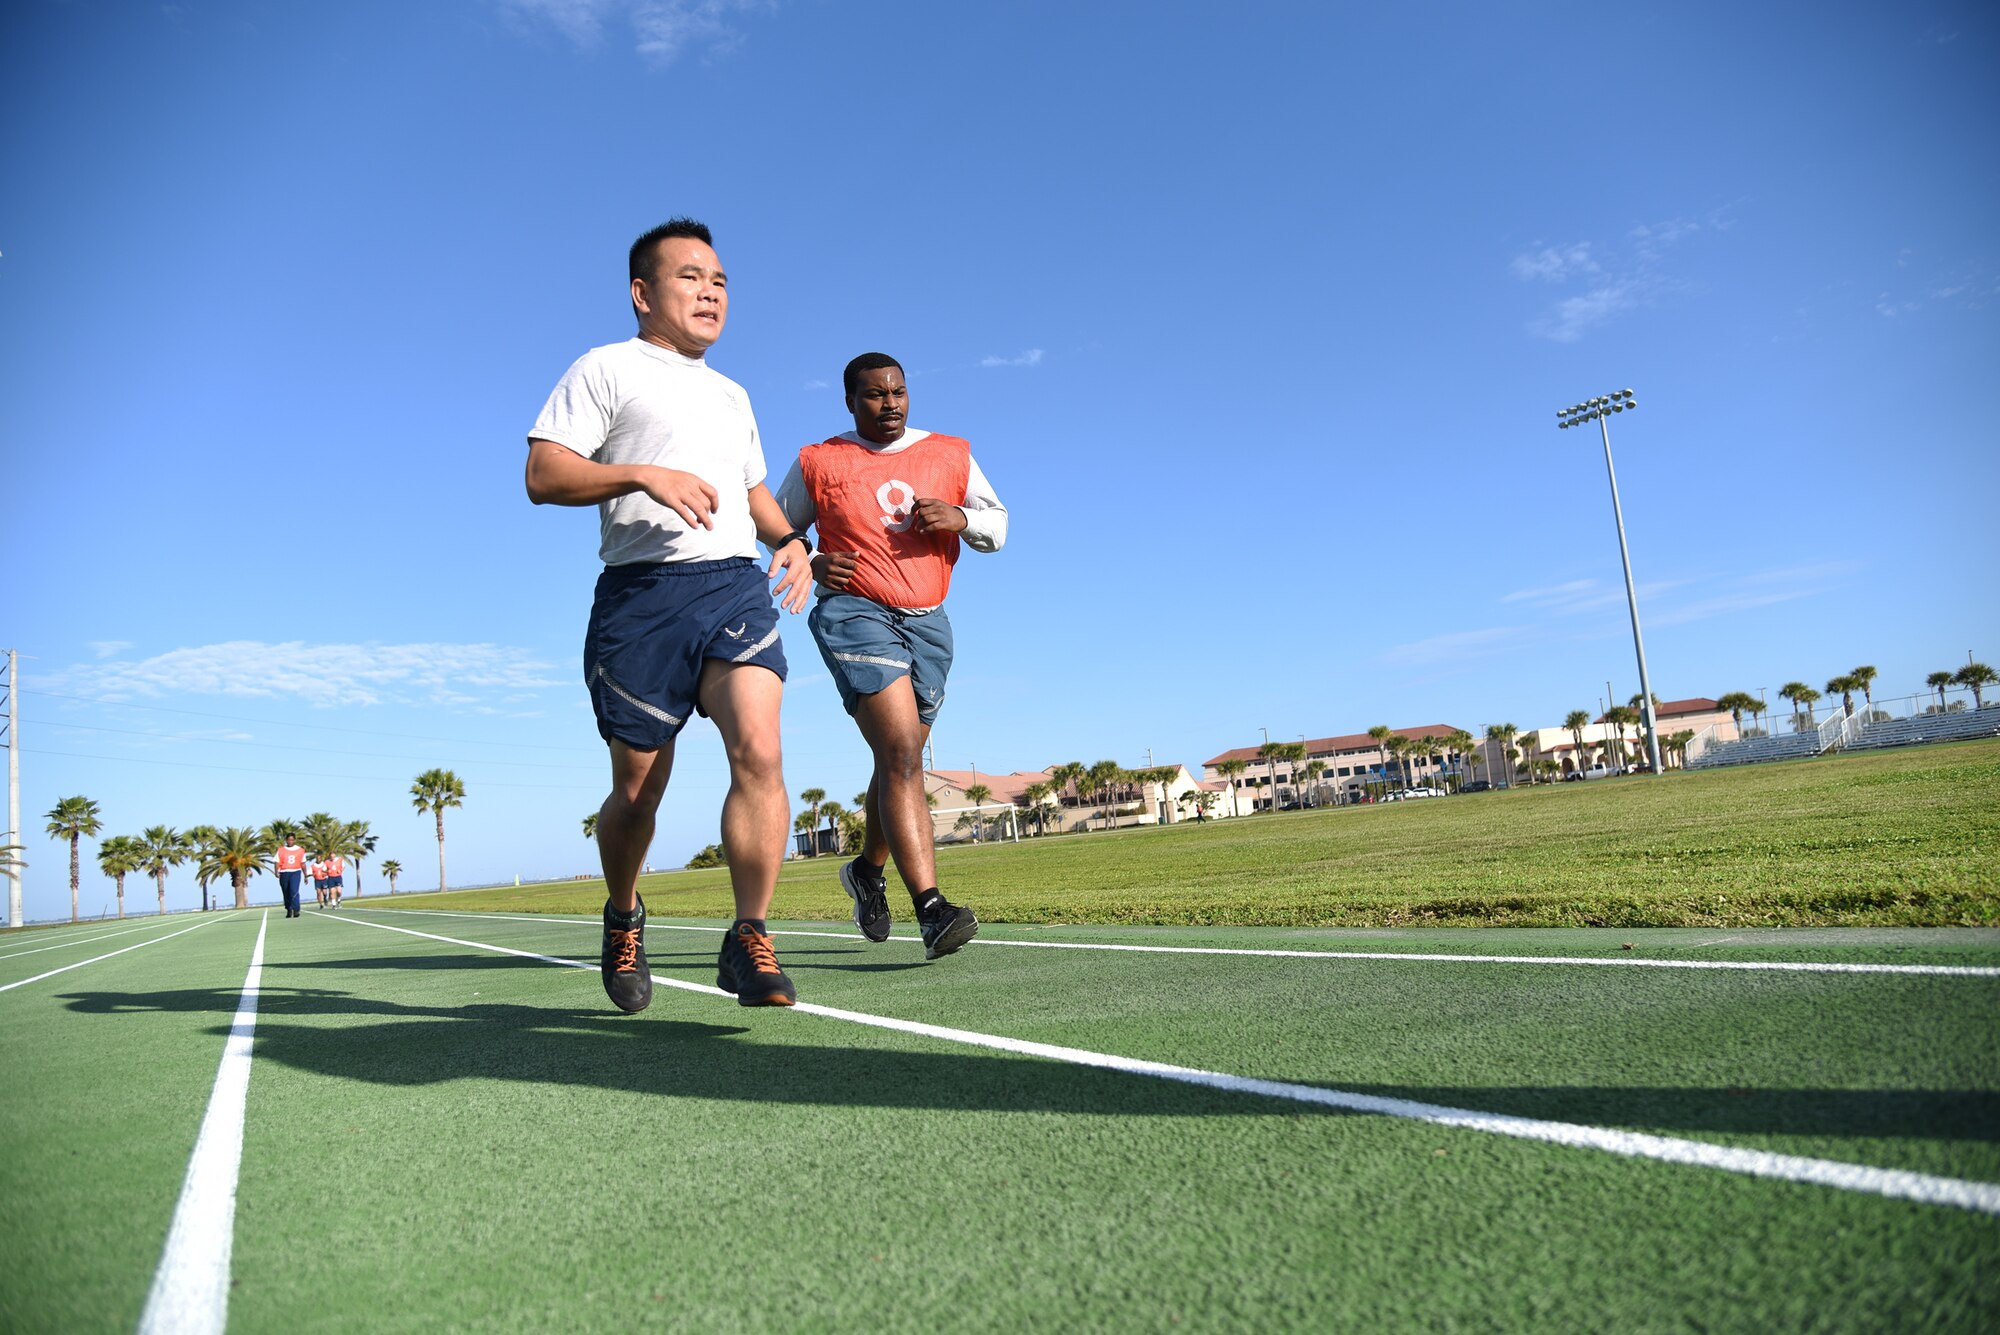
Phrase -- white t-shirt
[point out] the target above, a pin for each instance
(639, 403)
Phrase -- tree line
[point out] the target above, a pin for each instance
(235, 853)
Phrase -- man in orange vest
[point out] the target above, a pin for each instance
(336, 868)
(291, 861)
(892, 506)
(319, 883)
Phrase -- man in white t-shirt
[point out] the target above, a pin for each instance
(667, 449)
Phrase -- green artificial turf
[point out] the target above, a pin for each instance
(1892, 838)
(105, 1072)
(444, 1137)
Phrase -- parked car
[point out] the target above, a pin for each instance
(1476, 786)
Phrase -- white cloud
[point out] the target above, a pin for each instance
(661, 30)
(818, 384)
(1575, 316)
(1613, 283)
(323, 675)
(1454, 646)
(109, 648)
(1555, 263)
(1032, 357)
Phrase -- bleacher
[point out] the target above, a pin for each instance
(1750, 750)
(1958, 725)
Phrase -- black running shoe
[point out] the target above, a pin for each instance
(748, 967)
(946, 927)
(869, 889)
(622, 962)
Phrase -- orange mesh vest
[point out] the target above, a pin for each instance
(865, 499)
(291, 859)
(335, 866)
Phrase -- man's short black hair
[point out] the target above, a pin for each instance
(867, 361)
(645, 258)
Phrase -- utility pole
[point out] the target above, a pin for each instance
(11, 730)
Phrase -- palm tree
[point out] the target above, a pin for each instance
(1678, 744)
(1938, 681)
(830, 812)
(590, 826)
(1844, 687)
(1269, 753)
(1098, 779)
(320, 833)
(237, 853)
(978, 792)
(1802, 697)
(1294, 756)
(1314, 769)
(1229, 769)
(1576, 721)
(357, 843)
(1976, 677)
(119, 856)
(1503, 734)
(71, 819)
(1037, 795)
(806, 823)
(813, 797)
(1736, 702)
(1067, 775)
(853, 831)
(1381, 732)
(1621, 717)
(433, 791)
(1864, 677)
(392, 869)
(199, 837)
(161, 847)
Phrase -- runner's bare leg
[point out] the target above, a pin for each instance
(744, 700)
(899, 819)
(625, 821)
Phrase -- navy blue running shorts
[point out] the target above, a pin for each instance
(867, 646)
(653, 625)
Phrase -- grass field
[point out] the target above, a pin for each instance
(1897, 838)
(386, 1120)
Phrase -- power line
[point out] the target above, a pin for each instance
(287, 746)
(318, 727)
(292, 773)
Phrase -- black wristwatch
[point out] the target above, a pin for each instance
(795, 536)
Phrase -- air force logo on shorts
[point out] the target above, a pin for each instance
(653, 626)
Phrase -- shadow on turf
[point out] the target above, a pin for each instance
(390, 1044)
(430, 963)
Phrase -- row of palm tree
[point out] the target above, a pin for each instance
(1975, 677)
(235, 853)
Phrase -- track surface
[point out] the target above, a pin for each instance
(439, 1133)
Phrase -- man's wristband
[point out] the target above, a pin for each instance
(794, 536)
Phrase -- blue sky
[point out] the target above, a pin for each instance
(1257, 316)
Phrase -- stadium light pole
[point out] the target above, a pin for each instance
(1599, 410)
(13, 836)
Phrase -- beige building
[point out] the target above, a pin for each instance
(1126, 804)
(1560, 744)
(1351, 762)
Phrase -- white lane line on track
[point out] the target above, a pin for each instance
(138, 946)
(1982, 1197)
(80, 941)
(1753, 966)
(190, 1294)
